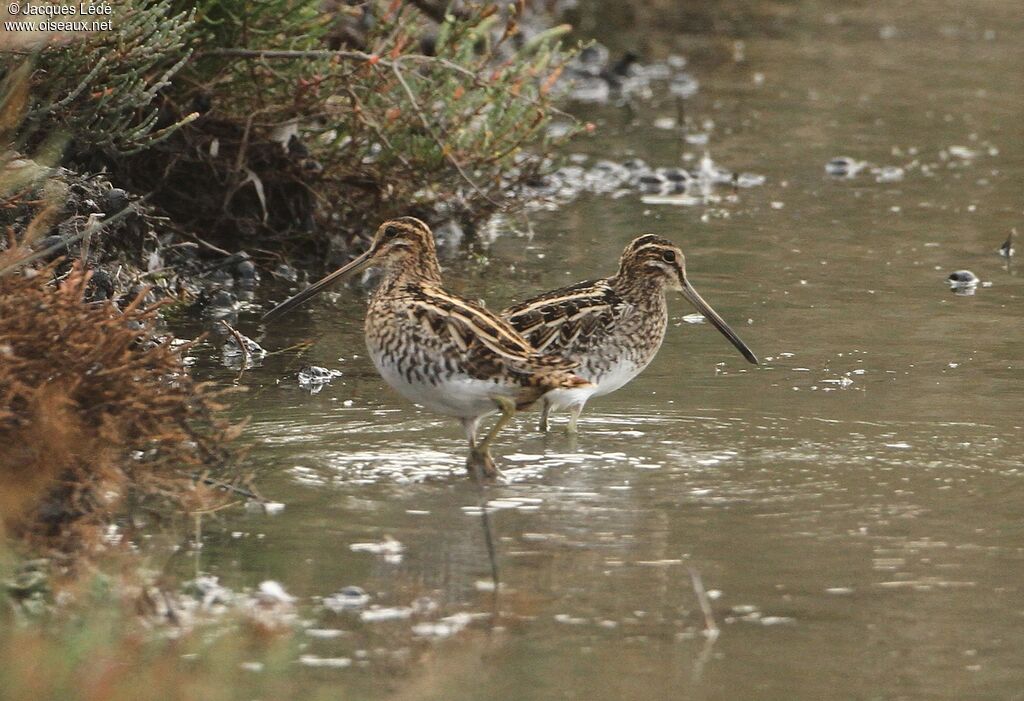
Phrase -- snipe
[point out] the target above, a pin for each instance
(441, 351)
(612, 327)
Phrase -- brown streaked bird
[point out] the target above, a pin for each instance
(612, 327)
(439, 350)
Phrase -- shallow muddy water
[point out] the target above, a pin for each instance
(853, 505)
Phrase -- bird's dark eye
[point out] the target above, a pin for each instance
(669, 256)
(390, 232)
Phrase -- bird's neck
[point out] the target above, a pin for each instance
(422, 268)
(644, 291)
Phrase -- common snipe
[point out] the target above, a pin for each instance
(441, 351)
(612, 327)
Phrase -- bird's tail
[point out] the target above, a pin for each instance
(563, 379)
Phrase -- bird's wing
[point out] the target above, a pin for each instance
(560, 320)
(481, 337)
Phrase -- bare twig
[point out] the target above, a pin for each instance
(372, 124)
(215, 249)
(215, 509)
(373, 59)
(248, 494)
(241, 345)
(448, 155)
(301, 345)
(64, 243)
(288, 53)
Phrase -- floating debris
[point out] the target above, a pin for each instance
(749, 180)
(207, 590)
(232, 354)
(683, 86)
(247, 273)
(776, 620)
(448, 626)
(593, 78)
(220, 304)
(844, 167)
(606, 176)
(271, 508)
(634, 175)
(649, 182)
(423, 605)
(270, 606)
(393, 613)
(712, 173)
(674, 175)
(1007, 250)
(315, 378)
(271, 592)
(324, 633)
(286, 272)
(570, 620)
(963, 282)
(961, 152)
(347, 599)
(333, 662)
(888, 174)
(843, 382)
(389, 548)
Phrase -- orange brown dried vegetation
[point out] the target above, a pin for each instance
(97, 414)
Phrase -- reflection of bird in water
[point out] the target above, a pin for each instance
(441, 351)
(612, 327)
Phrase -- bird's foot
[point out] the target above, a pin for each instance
(481, 460)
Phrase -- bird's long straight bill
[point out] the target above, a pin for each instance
(718, 322)
(317, 287)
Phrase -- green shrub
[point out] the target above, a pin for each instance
(100, 89)
(319, 120)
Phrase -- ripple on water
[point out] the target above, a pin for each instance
(330, 662)
(402, 466)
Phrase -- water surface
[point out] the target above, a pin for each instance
(853, 503)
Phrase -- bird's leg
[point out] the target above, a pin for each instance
(543, 425)
(508, 410)
(480, 454)
(574, 413)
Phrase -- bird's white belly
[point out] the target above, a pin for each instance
(458, 395)
(616, 377)
(605, 384)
